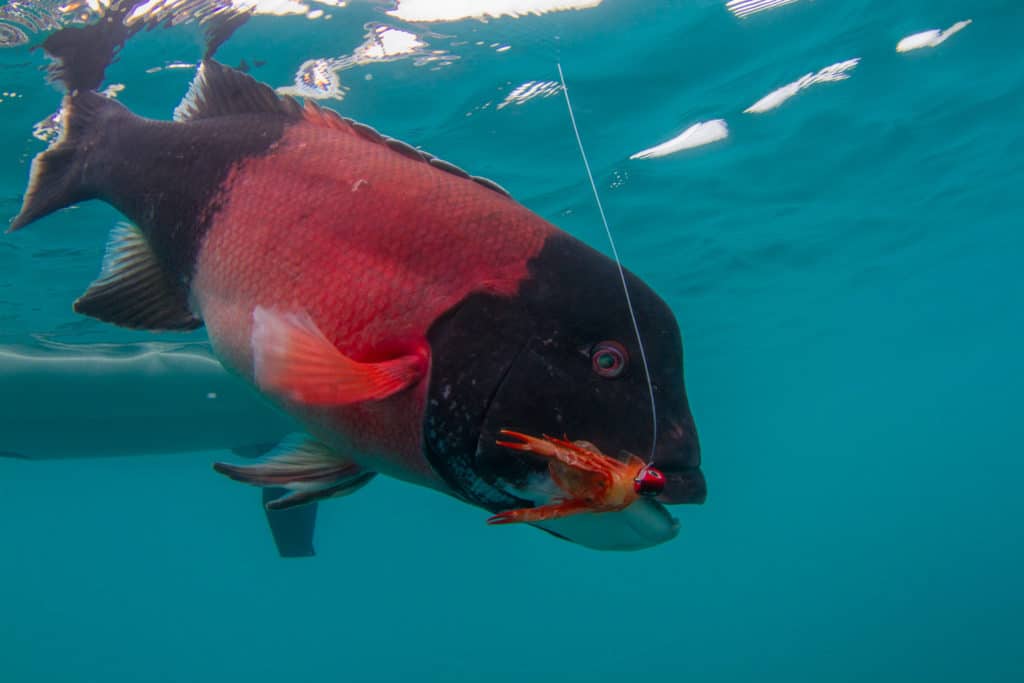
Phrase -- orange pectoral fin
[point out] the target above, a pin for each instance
(293, 358)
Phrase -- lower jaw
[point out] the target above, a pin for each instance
(643, 524)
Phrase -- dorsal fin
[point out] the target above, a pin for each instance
(328, 118)
(218, 90)
(134, 290)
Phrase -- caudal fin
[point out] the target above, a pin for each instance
(81, 56)
(59, 176)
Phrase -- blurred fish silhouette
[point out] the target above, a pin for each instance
(130, 400)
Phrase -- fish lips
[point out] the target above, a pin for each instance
(685, 485)
(677, 456)
(521, 402)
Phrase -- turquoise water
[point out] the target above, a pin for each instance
(846, 274)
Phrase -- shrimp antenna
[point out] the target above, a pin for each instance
(618, 262)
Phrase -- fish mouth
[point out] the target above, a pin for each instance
(506, 480)
(643, 524)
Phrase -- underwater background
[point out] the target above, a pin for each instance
(846, 271)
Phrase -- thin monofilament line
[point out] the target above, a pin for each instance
(618, 262)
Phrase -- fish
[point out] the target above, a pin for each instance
(131, 400)
(402, 310)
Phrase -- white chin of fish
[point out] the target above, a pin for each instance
(643, 524)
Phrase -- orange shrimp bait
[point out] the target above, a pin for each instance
(591, 481)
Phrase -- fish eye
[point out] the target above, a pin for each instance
(609, 359)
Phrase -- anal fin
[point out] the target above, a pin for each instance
(134, 290)
(310, 471)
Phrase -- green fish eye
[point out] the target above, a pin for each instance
(609, 359)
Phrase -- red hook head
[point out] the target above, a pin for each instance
(649, 482)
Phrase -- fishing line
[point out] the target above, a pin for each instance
(618, 262)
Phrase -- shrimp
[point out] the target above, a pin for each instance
(590, 480)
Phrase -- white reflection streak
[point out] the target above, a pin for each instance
(454, 10)
(180, 9)
(698, 134)
(316, 79)
(744, 8)
(320, 79)
(930, 38)
(830, 74)
(273, 7)
(384, 43)
(171, 66)
(527, 91)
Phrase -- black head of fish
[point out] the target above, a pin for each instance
(559, 358)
